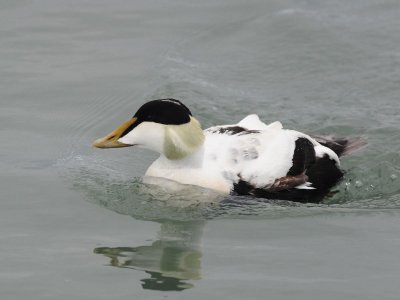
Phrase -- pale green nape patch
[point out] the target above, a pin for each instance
(182, 140)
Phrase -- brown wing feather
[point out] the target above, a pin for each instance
(287, 182)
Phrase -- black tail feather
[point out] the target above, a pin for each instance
(342, 146)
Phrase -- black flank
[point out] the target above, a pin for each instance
(303, 157)
(324, 174)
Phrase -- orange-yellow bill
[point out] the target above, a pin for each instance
(111, 140)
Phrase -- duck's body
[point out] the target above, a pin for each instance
(247, 158)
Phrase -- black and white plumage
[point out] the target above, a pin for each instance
(247, 158)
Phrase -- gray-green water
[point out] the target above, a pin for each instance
(78, 223)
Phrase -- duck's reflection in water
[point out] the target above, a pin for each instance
(171, 261)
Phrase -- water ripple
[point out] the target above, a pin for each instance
(105, 184)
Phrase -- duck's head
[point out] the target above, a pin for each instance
(165, 126)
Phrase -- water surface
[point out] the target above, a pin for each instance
(79, 223)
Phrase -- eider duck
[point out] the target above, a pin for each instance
(247, 158)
